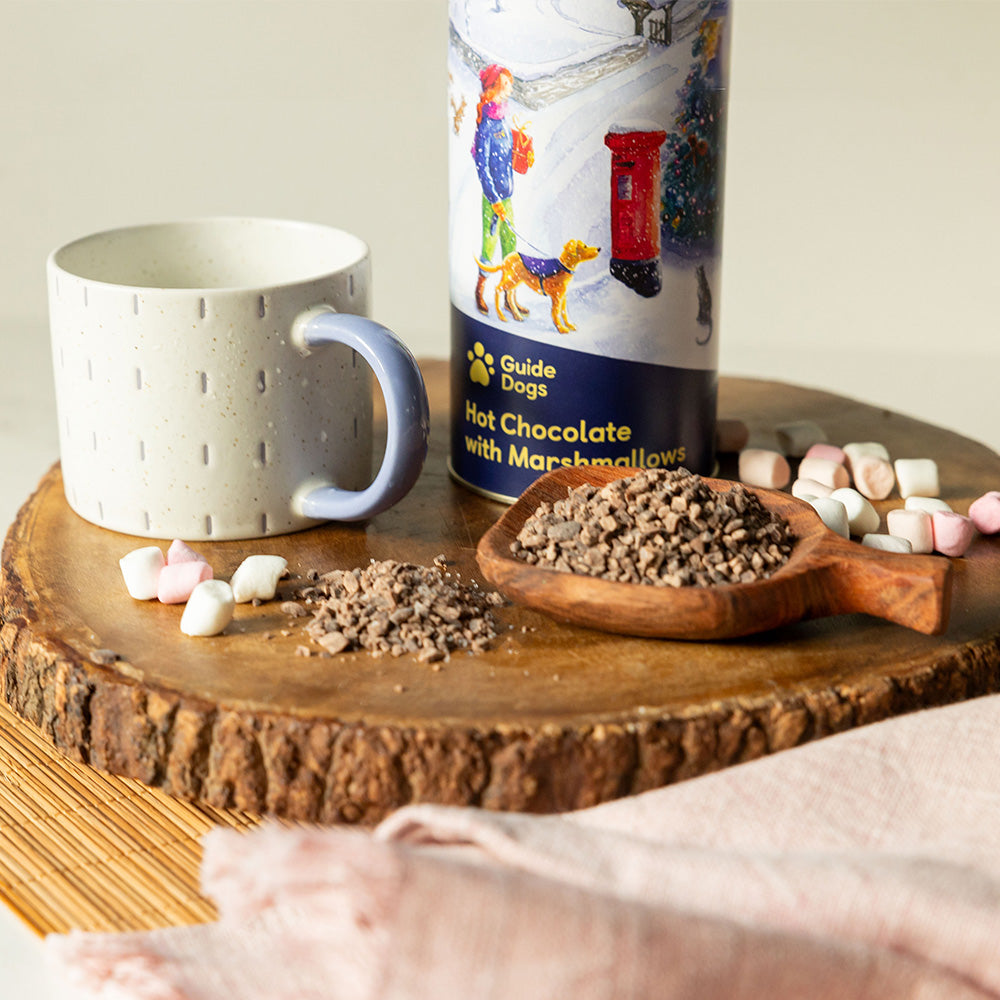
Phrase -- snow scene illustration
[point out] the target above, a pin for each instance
(586, 166)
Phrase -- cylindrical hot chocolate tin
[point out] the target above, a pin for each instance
(586, 167)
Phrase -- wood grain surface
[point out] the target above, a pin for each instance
(554, 717)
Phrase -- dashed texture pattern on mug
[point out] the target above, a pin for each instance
(191, 415)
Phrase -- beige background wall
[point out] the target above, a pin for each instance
(862, 201)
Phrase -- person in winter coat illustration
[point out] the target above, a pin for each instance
(492, 150)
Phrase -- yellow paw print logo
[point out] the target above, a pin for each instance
(482, 364)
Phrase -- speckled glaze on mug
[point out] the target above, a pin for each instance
(213, 380)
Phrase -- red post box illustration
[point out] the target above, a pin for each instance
(635, 205)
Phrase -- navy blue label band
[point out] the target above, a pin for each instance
(520, 408)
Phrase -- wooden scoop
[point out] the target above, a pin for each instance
(825, 575)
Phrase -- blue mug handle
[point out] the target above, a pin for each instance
(407, 411)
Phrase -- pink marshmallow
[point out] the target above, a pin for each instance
(985, 513)
(177, 580)
(914, 525)
(824, 470)
(180, 552)
(953, 533)
(828, 451)
(874, 477)
(765, 468)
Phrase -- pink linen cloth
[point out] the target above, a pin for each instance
(865, 865)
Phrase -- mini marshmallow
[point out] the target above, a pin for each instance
(887, 543)
(209, 609)
(824, 471)
(806, 489)
(930, 504)
(917, 477)
(828, 451)
(731, 435)
(798, 436)
(257, 577)
(874, 477)
(860, 449)
(177, 580)
(914, 525)
(862, 517)
(985, 513)
(765, 468)
(833, 514)
(141, 570)
(180, 552)
(953, 533)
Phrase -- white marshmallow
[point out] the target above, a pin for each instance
(798, 436)
(873, 476)
(859, 449)
(862, 517)
(824, 470)
(141, 570)
(887, 543)
(209, 609)
(765, 468)
(833, 514)
(914, 525)
(917, 477)
(257, 577)
(806, 489)
(930, 504)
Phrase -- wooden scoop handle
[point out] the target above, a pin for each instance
(911, 590)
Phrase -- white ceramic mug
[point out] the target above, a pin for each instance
(208, 381)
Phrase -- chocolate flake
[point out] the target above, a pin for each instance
(659, 527)
(400, 609)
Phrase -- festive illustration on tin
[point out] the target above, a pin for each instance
(546, 275)
(493, 152)
(583, 178)
(694, 148)
(501, 152)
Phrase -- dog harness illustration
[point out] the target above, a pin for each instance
(543, 267)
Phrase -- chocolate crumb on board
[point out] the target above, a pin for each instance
(399, 608)
(659, 527)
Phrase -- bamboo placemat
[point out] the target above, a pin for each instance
(83, 849)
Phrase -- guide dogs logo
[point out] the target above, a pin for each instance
(482, 364)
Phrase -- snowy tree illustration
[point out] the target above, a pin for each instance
(695, 147)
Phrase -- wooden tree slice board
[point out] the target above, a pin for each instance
(554, 717)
